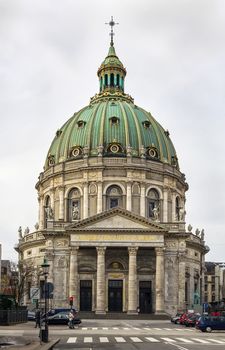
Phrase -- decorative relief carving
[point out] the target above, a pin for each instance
(170, 244)
(92, 189)
(61, 243)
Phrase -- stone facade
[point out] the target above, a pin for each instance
(112, 211)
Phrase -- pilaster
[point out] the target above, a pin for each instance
(100, 293)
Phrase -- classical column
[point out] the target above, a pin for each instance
(61, 202)
(173, 206)
(99, 198)
(165, 205)
(100, 292)
(142, 199)
(132, 281)
(41, 212)
(85, 201)
(73, 275)
(159, 281)
(181, 280)
(129, 205)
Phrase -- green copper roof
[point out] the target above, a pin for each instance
(112, 122)
(111, 125)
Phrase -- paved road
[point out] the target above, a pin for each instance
(124, 335)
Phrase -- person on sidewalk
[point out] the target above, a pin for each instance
(37, 318)
(71, 319)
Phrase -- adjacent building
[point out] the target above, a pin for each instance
(112, 210)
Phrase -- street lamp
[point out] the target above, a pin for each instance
(44, 332)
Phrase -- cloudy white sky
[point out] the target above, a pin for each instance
(174, 53)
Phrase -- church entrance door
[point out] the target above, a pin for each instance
(145, 296)
(86, 295)
(115, 295)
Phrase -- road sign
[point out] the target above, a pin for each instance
(35, 293)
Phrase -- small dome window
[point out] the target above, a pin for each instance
(51, 160)
(114, 120)
(58, 133)
(146, 124)
(81, 123)
(152, 152)
(75, 152)
(166, 132)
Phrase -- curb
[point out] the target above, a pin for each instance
(37, 345)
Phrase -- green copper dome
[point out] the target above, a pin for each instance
(111, 125)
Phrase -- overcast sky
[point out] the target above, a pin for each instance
(174, 52)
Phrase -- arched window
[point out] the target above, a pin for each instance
(114, 196)
(106, 80)
(177, 209)
(111, 79)
(153, 204)
(74, 205)
(101, 84)
(117, 80)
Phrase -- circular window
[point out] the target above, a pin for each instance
(152, 152)
(114, 148)
(75, 152)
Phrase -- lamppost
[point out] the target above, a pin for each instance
(44, 332)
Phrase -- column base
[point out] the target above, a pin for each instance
(100, 312)
(132, 312)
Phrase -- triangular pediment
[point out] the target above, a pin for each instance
(116, 219)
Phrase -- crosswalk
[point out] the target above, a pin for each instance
(134, 328)
(141, 339)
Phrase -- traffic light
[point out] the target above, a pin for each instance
(71, 301)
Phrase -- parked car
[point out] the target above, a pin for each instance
(55, 311)
(30, 315)
(61, 318)
(175, 319)
(184, 317)
(191, 320)
(209, 323)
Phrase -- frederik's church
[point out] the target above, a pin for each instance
(112, 210)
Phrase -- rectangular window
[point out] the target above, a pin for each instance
(114, 202)
(206, 287)
(213, 287)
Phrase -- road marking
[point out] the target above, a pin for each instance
(157, 329)
(137, 329)
(126, 329)
(201, 341)
(136, 340)
(72, 340)
(169, 340)
(88, 340)
(94, 328)
(147, 329)
(178, 329)
(120, 340)
(185, 340)
(84, 328)
(167, 329)
(152, 340)
(104, 340)
(115, 328)
(216, 341)
(105, 328)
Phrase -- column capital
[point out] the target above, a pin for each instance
(74, 250)
(132, 250)
(61, 187)
(101, 250)
(160, 250)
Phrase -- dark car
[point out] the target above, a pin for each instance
(55, 311)
(175, 319)
(61, 318)
(209, 323)
(30, 315)
(191, 320)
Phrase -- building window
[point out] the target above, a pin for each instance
(206, 287)
(213, 298)
(153, 203)
(177, 209)
(114, 197)
(213, 287)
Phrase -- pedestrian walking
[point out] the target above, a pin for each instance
(37, 318)
(71, 319)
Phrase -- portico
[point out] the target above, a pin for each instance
(118, 271)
